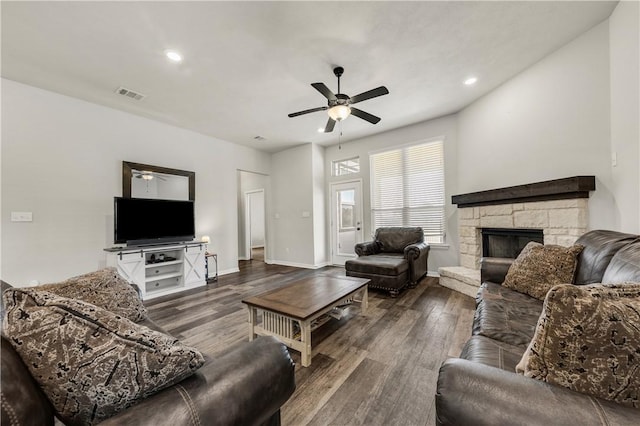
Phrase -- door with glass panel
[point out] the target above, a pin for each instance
(346, 220)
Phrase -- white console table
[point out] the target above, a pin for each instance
(160, 270)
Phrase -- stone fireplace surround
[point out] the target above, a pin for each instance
(559, 208)
(561, 221)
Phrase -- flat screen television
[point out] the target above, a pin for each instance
(140, 221)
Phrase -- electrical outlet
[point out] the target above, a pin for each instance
(21, 217)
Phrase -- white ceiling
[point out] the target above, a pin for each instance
(248, 64)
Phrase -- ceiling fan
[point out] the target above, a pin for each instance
(146, 175)
(339, 105)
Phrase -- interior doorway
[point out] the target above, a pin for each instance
(252, 223)
(346, 220)
(255, 224)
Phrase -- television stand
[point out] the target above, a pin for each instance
(160, 269)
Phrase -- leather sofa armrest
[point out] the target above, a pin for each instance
(245, 386)
(367, 248)
(470, 393)
(494, 269)
(417, 255)
(415, 251)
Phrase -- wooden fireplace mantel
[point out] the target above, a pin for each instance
(557, 189)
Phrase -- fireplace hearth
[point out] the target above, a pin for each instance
(508, 242)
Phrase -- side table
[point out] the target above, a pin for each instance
(206, 259)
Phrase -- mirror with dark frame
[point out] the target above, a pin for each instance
(147, 181)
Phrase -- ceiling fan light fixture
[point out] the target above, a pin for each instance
(173, 55)
(471, 81)
(339, 112)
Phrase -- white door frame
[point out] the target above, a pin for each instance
(247, 222)
(334, 219)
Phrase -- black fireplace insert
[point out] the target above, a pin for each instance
(506, 242)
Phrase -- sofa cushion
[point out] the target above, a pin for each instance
(104, 288)
(588, 340)
(378, 264)
(539, 267)
(395, 239)
(91, 363)
(599, 247)
(505, 315)
(491, 352)
(625, 265)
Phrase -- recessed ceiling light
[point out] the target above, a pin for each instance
(470, 81)
(173, 55)
(320, 129)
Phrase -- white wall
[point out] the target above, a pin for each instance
(624, 36)
(62, 160)
(292, 199)
(320, 195)
(256, 204)
(446, 255)
(551, 121)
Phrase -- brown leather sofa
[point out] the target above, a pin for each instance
(482, 388)
(245, 386)
(395, 259)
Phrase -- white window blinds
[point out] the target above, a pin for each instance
(407, 189)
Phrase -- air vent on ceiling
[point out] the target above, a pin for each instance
(130, 93)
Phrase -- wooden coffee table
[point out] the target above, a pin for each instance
(290, 311)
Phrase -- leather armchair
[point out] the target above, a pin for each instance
(396, 258)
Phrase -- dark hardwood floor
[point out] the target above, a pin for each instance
(376, 369)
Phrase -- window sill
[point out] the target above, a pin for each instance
(439, 246)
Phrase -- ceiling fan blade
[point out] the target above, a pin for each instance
(330, 125)
(307, 111)
(364, 115)
(373, 93)
(320, 87)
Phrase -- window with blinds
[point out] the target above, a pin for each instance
(407, 189)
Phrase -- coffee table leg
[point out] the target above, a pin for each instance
(364, 305)
(305, 337)
(253, 321)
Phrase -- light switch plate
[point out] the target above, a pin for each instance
(21, 217)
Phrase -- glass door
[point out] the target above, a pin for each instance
(346, 220)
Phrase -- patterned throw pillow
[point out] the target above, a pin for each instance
(90, 362)
(588, 339)
(539, 267)
(104, 288)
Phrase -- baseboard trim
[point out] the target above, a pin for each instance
(228, 271)
(433, 274)
(297, 265)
